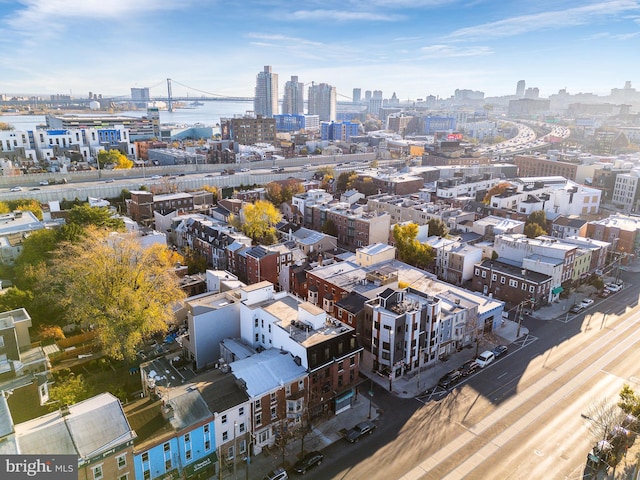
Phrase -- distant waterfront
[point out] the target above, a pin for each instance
(207, 114)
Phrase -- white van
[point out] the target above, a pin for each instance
(485, 358)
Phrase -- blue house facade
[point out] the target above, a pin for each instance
(342, 131)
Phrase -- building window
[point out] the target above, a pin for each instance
(241, 411)
(513, 283)
(258, 419)
(484, 274)
(273, 397)
(241, 428)
(341, 367)
(502, 280)
(122, 460)
(225, 436)
(97, 472)
(223, 419)
(124, 477)
(352, 360)
(257, 405)
(274, 413)
(207, 438)
(477, 272)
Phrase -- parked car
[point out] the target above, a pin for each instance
(44, 182)
(576, 308)
(500, 350)
(110, 180)
(277, 474)
(360, 430)
(613, 287)
(310, 460)
(604, 293)
(15, 189)
(485, 358)
(450, 379)
(469, 368)
(243, 170)
(587, 302)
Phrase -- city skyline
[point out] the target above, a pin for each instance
(413, 48)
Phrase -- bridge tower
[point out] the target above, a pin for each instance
(169, 96)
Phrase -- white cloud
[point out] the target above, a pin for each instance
(47, 17)
(340, 16)
(284, 39)
(545, 20)
(444, 51)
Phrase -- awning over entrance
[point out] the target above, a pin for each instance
(201, 465)
(557, 290)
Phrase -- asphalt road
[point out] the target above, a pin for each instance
(519, 418)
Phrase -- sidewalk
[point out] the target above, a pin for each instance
(323, 434)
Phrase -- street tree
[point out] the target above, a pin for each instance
(329, 227)
(85, 215)
(111, 284)
(629, 401)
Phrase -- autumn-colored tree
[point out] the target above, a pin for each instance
(409, 249)
(5, 126)
(259, 220)
(115, 286)
(114, 157)
(497, 189)
(536, 224)
(52, 333)
(274, 192)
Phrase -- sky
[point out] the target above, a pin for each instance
(414, 48)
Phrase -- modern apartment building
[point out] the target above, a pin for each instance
(322, 101)
(293, 100)
(265, 102)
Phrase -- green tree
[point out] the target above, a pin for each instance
(629, 401)
(68, 389)
(329, 227)
(438, 227)
(346, 181)
(538, 217)
(195, 262)
(115, 286)
(533, 230)
(259, 221)
(367, 187)
(85, 215)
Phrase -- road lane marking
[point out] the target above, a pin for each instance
(500, 376)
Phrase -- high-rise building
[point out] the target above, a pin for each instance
(322, 101)
(375, 102)
(520, 89)
(265, 102)
(367, 95)
(357, 94)
(532, 92)
(293, 100)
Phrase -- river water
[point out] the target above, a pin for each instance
(207, 114)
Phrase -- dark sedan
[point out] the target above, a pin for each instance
(360, 430)
(310, 460)
(450, 379)
(500, 350)
(469, 368)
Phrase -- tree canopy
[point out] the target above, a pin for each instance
(438, 227)
(410, 250)
(277, 193)
(346, 181)
(536, 224)
(113, 285)
(497, 189)
(258, 222)
(115, 158)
